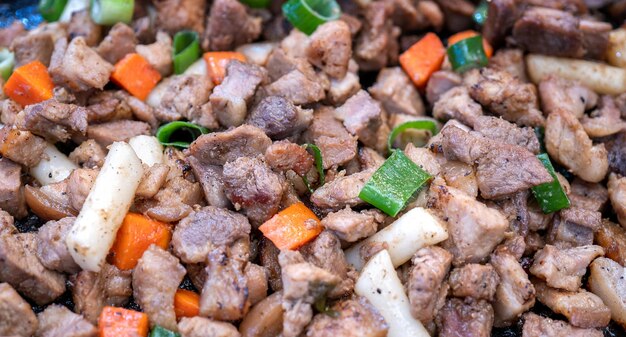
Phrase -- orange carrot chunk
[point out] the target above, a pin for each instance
(216, 62)
(134, 237)
(136, 75)
(120, 322)
(29, 84)
(292, 227)
(470, 33)
(186, 303)
(423, 58)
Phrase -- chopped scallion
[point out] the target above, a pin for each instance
(425, 124)
(256, 3)
(110, 12)
(159, 331)
(480, 14)
(319, 164)
(166, 132)
(394, 183)
(7, 61)
(307, 15)
(467, 54)
(51, 10)
(550, 196)
(186, 50)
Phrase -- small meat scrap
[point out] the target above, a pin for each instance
(612, 238)
(11, 189)
(535, 325)
(202, 327)
(211, 178)
(159, 53)
(77, 66)
(426, 285)
(473, 318)
(81, 24)
(330, 48)
(342, 191)
(184, 97)
(474, 280)
(55, 121)
(504, 132)
(37, 45)
(396, 93)
(300, 86)
(564, 268)
(279, 118)
(355, 317)
(217, 148)
(120, 41)
(51, 248)
(439, 83)
(617, 194)
(604, 121)
(175, 15)
(285, 155)
(229, 25)
(117, 131)
(457, 104)
(20, 146)
(376, 44)
(591, 196)
(350, 225)
(16, 316)
(335, 142)
(558, 93)
(515, 293)
(362, 117)
(59, 321)
(511, 61)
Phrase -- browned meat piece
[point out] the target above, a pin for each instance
(591, 196)
(250, 184)
(299, 87)
(575, 229)
(6, 224)
(153, 179)
(458, 14)
(55, 121)
(78, 67)
(582, 217)
(202, 327)
(362, 117)
(549, 31)
(595, 38)
(568, 144)
(465, 318)
(59, 321)
(456, 174)
(81, 24)
(229, 26)
(176, 15)
(203, 231)
(225, 293)
(16, 315)
(605, 120)
(92, 291)
(35, 46)
(474, 280)
(336, 144)
(159, 53)
(504, 132)
(515, 208)
(117, 131)
(355, 318)
(505, 95)
(268, 256)
(51, 248)
(88, 154)
(230, 99)
(564, 268)
(8, 110)
(439, 83)
(11, 191)
(10, 33)
(285, 155)
(617, 194)
(511, 61)
(394, 90)
(120, 41)
(501, 18)
(426, 284)
(184, 97)
(330, 48)
(474, 228)
(211, 179)
(340, 90)
(557, 93)
(515, 294)
(20, 267)
(144, 112)
(21, 147)
(79, 184)
(155, 281)
(256, 278)
(289, 56)
(350, 226)
(581, 308)
(105, 106)
(279, 118)
(377, 45)
(325, 252)
(535, 325)
(502, 169)
(612, 238)
(617, 153)
(342, 191)
(217, 148)
(457, 104)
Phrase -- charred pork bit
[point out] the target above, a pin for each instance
(21, 147)
(612, 238)
(280, 62)
(361, 116)
(159, 53)
(285, 155)
(511, 61)
(617, 194)
(268, 256)
(342, 191)
(51, 248)
(535, 325)
(350, 226)
(458, 14)
(34, 46)
(175, 15)
(81, 24)
(279, 118)
(582, 308)
(202, 327)
(117, 131)
(505, 95)
(20, 267)
(457, 104)
(604, 121)
(559, 93)
(201, 232)
(184, 97)
(474, 228)
(591, 196)
(217, 148)
(330, 48)
(93, 291)
(617, 153)
(471, 317)
(376, 45)
(78, 67)
(230, 99)
(474, 280)
(508, 133)
(394, 90)
(439, 83)
(501, 18)
(16, 315)
(55, 121)
(120, 41)
(229, 26)
(211, 179)
(105, 106)
(356, 318)
(564, 268)
(59, 321)
(336, 144)
(426, 284)
(456, 174)
(574, 227)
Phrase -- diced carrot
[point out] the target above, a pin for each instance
(134, 237)
(216, 62)
(136, 75)
(469, 33)
(186, 303)
(29, 84)
(292, 227)
(120, 322)
(423, 58)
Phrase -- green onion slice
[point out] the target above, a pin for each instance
(256, 3)
(467, 54)
(166, 132)
(550, 196)
(306, 15)
(480, 14)
(394, 183)
(51, 10)
(540, 132)
(159, 331)
(319, 164)
(7, 61)
(423, 124)
(186, 50)
(110, 12)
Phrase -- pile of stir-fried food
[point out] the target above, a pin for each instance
(265, 168)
